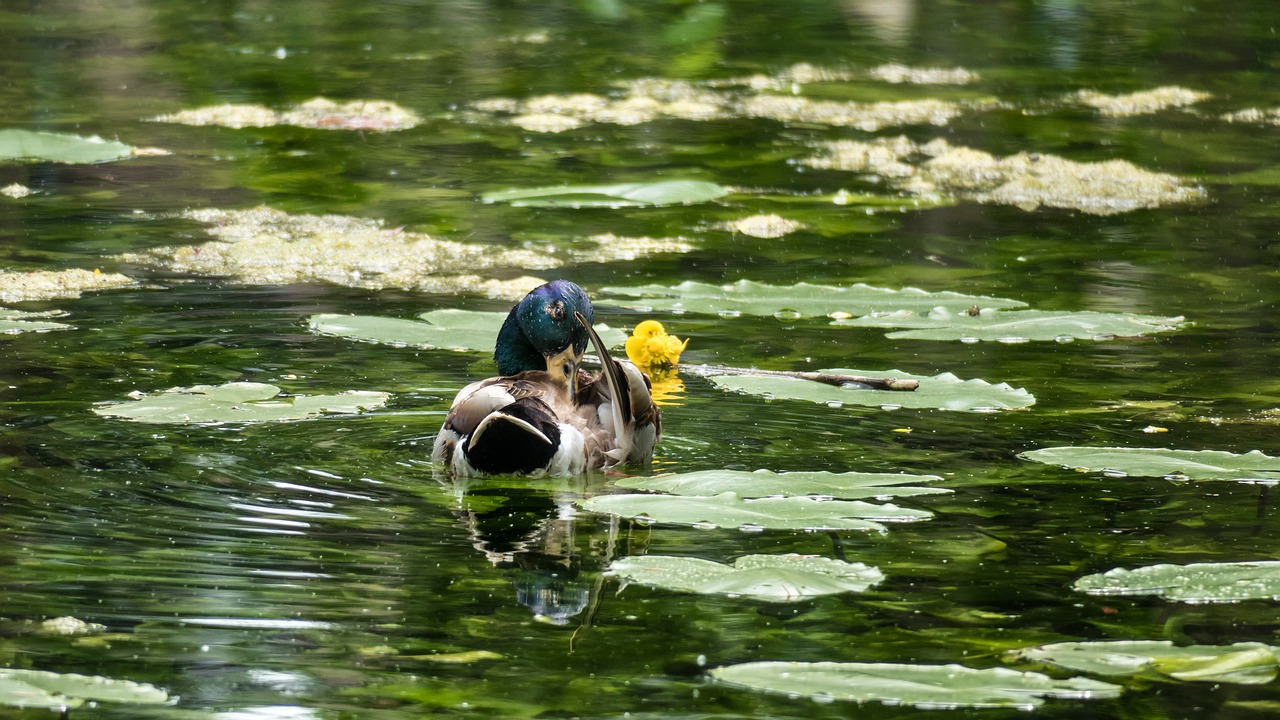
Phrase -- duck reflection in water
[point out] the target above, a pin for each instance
(532, 532)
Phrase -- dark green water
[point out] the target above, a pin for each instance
(305, 570)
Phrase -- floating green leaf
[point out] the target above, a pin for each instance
(237, 402)
(942, 392)
(928, 686)
(55, 147)
(463, 330)
(773, 578)
(1246, 663)
(666, 192)
(729, 510)
(802, 299)
(1250, 467)
(1195, 583)
(13, 322)
(765, 483)
(1015, 326)
(39, 689)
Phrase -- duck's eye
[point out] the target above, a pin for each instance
(556, 310)
(566, 369)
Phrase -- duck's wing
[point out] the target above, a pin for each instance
(508, 425)
(626, 406)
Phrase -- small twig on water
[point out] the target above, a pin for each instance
(873, 383)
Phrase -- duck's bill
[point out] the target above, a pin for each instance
(563, 367)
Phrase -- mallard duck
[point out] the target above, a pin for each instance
(544, 415)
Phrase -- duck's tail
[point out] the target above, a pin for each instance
(521, 437)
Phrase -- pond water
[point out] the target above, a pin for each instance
(321, 569)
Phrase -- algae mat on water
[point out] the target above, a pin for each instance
(265, 246)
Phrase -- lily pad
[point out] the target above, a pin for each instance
(461, 330)
(941, 392)
(730, 510)
(1016, 326)
(1246, 663)
(237, 402)
(927, 686)
(765, 483)
(666, 192)
(39, 689)
(772, 578)
(56, 147)
(1195, 583)
(1250, 467)
(13, 322)
(802, 299)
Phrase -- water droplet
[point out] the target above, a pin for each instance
(767, 396)
(787, 315)
(834, 404)
(968, 340)
(644, 520)
(1012, 340)
(1064, 339)
(1114, 473)
(751, 527)
(888, 406)
(704, 525)
(730, 313)
(1102, 337)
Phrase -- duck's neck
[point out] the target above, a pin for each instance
(513, 351)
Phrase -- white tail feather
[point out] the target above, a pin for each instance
(492, 417)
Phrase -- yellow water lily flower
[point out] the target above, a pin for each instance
(651, 348)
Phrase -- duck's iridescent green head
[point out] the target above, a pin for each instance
(541, 332)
